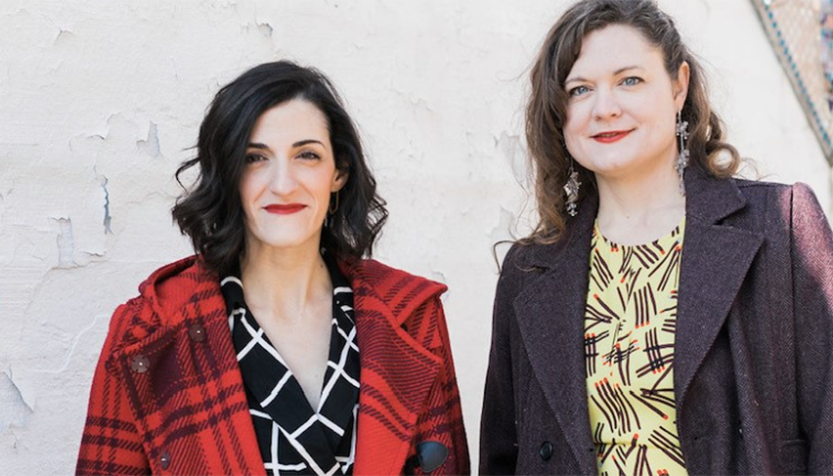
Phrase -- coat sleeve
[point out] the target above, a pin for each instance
(442, 419)
(812, 258)
(498, 435)
(110, 444)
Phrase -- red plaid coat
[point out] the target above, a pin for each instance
(168, 397)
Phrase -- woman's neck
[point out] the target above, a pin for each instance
(642, 208)
(283, 282)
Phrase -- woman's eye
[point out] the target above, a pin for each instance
(578, 90)
(309, 155)
(631, 81)
(252, 158)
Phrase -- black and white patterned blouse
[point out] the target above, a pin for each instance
(294, 438)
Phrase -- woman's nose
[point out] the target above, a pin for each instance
(282, 180)
(606, 104)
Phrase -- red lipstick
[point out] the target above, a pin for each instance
(610, 136)
(286, 209)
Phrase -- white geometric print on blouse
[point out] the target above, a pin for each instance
(294, 438)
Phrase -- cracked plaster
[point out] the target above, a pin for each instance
(150, 146)
(95, 120)
(13, 409)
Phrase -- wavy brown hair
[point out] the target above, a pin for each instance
(546, 111)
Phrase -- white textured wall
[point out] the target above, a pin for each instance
(99, 101)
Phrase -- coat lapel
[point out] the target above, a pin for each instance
(189, 362)
(550, 312)
(397, 372)
(715, 260)
(551, 306)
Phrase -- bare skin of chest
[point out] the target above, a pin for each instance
(303, 340)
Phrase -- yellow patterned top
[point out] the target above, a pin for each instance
(630, 325)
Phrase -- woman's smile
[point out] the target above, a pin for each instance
(610, 136)
(286, 209)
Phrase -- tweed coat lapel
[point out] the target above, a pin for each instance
(550, 308)
(716, 258)
(397, 371)
(550, 314)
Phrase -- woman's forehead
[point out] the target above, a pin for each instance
(615, 48)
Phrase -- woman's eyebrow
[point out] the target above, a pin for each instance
(626, 68)
(615, 73)
(300, 143)
(307, 141)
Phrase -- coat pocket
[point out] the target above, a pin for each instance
(792, 455)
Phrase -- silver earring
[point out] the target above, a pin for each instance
(571, 190)
(682, 159)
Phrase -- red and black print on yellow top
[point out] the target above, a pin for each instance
(168, 397)
(629, 333)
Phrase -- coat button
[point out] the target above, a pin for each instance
(140, 364)
(545, 451)
(197, 333)
(165, 460)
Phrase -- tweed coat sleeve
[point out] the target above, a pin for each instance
(111, 443)
(442, 418)
(498, 438)
(812, 258)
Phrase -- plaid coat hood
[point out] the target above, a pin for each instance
(168, 397)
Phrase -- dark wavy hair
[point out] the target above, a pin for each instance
(211, 213)
(546, 110)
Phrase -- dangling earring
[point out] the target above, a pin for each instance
(332, 209)
(571, 190)
(682, 159)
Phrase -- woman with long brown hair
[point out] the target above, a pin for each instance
(664, 317)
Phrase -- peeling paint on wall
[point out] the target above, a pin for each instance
(503, 228)
(107, 217)
(77, 336)
(66, 243)
(13, 410)
(265, 29)
(64, 37)
(150, 146)
(511, 146)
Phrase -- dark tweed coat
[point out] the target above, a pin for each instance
(753, 369)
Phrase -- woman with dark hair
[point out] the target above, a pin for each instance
(278, 348)
(664, 317)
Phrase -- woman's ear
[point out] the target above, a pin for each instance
(340, 179)
(681, 85)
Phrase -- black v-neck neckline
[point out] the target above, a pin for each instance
(274, 389)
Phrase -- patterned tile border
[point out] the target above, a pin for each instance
(794, 30)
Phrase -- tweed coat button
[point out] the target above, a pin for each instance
(545, 451)
(197, 333)
(140, 364)
(165, 460)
